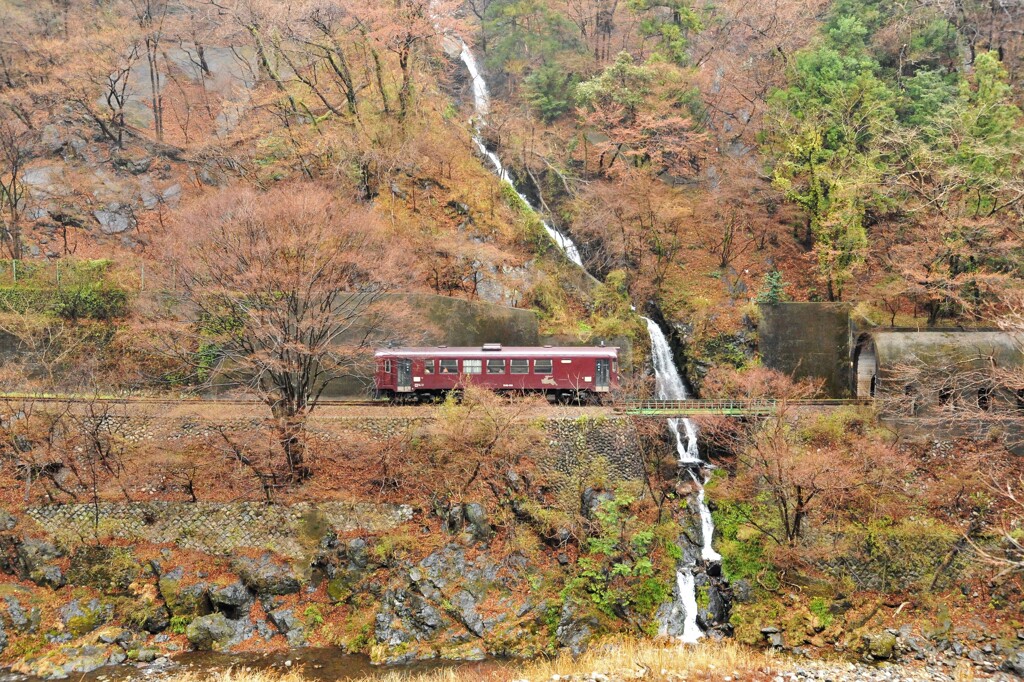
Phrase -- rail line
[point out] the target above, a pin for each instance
(641, 408)
(729, 408)
(168, 400)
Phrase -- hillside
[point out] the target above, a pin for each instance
(214, 212)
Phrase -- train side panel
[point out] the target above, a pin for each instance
(538, 370)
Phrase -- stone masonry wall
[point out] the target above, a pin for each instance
(289, 530)
(574, 444)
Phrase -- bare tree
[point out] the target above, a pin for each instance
(15, 140)
(284, 286)
(150, 16)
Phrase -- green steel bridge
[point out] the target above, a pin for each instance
(758, 407)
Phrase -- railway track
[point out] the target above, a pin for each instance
(164, 400)
(643, 408)
(735, 408)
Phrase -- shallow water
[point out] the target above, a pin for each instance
(319, 664)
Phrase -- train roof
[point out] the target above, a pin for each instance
(497, 351)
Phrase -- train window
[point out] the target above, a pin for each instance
(449, 366)
(519, 366)
(472, 366)
(387, 367)
(542, 366)
(495, 366)
(615, 366)
(428, 366)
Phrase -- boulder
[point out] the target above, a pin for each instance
(184, 600)
(233, 600)
(7, 521)
(37, 559)
(115, 219)
(132, 166)
(575, 630)
(265, 576)
(289, 625)
(880, 646)
(22, 621)
(1014, 664)
(476, 517)
(464, 605)
(3, 637)
(86, 659)
(80, 617)
(210, 632)
(114, 635)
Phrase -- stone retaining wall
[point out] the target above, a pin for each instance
(573, 441)
(577, 442)
(573, 447)
(291, 530)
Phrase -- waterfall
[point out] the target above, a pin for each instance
(482, 105)
(669, 386)
(669, 383)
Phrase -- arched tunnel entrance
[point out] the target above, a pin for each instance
(865, 367)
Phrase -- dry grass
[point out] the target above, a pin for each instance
(619, 659)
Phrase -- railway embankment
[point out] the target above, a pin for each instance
(135, 531)
(456, 531)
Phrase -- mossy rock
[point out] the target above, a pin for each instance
(187, 601)
(879, 646)
(108, 569)
(81, 617)
(211, 632)
(339, 589)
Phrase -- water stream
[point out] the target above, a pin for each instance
(482, 104)
(669, 384)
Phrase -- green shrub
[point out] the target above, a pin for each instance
(819, 606)
(179, 624)
(773, 289)
(94, 301)
(73, 290)
(551, 91)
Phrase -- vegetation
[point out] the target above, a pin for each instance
(616, 656)
(207, 196)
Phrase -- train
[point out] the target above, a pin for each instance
(560, 373)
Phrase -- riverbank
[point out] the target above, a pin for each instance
(614, 661)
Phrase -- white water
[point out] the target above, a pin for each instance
(669, 384)
(482, 104)
(688, 596)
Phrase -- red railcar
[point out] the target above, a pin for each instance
(562, 373)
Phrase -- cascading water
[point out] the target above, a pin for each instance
(669, 386)
(669, 383)
(482, 103)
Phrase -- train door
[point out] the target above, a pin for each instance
(404, 375)
(602, 374)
